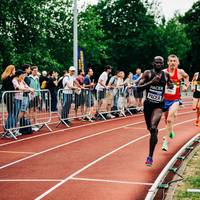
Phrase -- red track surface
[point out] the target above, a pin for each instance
(98, 161)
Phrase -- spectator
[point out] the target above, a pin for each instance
(43, 80)
(138, 94)
(35, 98)
(7, 85)
(52, 87)
(27, 70)
(89, 101)
(69, 84)
(128, 91)
(113, 94)
(20, 102)
(79, 98)
(101, 86)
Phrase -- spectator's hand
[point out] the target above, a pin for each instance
(92, 84)
(31, 90)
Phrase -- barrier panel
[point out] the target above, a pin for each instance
(115, 102)
(75, 104)
(23, 112)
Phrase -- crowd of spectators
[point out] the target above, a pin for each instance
(80, 90)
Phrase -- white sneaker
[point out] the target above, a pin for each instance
(112, 116)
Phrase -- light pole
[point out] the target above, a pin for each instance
(75, 37)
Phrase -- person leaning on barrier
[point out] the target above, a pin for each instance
(138, 94)
(79, 98)
(69, 84)
(89, 101)
(128, 83)
(7, 85)
(112, 94)
(52, 87)
(101, 86)
(21, 97)
(35, 84)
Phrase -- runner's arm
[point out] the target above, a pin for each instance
(185, 77)
(169, 81)
(144, 81)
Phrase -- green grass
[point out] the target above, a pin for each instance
(191, 180)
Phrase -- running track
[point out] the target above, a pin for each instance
(95, 161)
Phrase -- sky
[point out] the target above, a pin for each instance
(169, 7)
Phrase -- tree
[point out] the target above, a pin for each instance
(192, 22)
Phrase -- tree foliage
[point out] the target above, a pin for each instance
(192, 22)
(124, 33)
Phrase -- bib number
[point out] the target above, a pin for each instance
(154, 97)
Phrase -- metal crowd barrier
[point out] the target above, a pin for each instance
(114, 102)
(75, 104)
(21, 110)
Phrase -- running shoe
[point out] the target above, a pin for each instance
(171, 135)
(165, 145)
(196, 123)
(149, 161)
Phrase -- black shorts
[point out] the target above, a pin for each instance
(101, 94)
(196, 95)
(148, 110)
(137, 94)
(34, 102)
(79, 99)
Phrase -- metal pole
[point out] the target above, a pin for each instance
(75, 37)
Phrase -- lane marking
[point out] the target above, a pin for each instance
(80, 126)
(67, 143)
(70, 128)
(138, 128)
(111, 181)
(76, 179)
(17, 152)
(30, 180)
(97, 160)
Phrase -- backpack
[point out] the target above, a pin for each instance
(44, 85)
(60, 83)
(25, 122)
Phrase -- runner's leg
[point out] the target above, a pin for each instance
(171, 118)
(155, 119)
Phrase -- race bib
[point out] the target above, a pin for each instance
(198, 88)
(154, 97)
(155, 94)
(170, 91)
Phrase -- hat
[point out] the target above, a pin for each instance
(72, 68)
(19, 72)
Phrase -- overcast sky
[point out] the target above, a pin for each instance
(169, 7)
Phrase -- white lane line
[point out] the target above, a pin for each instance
(65, 129)
(138, 128)
(30, 180)
(111, 181)
(80, 126)
(97, 160)
(68, 143)
(77, 179)
(17, 152)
